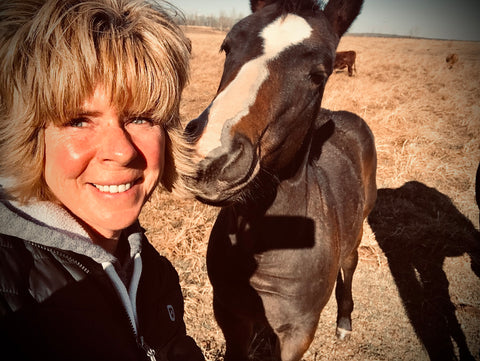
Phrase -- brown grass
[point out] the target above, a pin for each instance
(426, 121)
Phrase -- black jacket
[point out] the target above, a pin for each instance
(61, 304)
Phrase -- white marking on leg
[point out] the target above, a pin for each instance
(343, 334)
(234, 102)
(344, 328)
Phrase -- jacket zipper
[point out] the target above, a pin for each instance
(150, 352)
(61, 254)
(129, 304)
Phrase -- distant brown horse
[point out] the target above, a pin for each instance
(295, 181)
(345, 59)
(451, 59)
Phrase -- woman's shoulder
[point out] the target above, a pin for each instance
(14, 255)
(30, 272)
(16, 262)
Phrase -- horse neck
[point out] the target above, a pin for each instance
(268, 185)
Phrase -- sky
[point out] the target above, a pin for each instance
(437, 19)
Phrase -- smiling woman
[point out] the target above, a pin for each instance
(103, 166)
(89, 99)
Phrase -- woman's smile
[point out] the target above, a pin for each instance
(115, 188)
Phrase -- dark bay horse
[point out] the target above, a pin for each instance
(295, 181)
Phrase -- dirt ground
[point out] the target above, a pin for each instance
(414, 289)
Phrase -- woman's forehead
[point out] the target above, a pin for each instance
(123, 100)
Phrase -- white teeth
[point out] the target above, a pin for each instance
(114, 188)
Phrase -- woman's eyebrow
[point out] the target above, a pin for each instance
(87, 113)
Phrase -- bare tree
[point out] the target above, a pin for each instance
(222, 21)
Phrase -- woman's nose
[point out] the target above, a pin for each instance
(116, 145)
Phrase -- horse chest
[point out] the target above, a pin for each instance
(290, 246)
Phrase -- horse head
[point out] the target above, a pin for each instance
(278, 60)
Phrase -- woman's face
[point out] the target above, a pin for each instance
(103, 165)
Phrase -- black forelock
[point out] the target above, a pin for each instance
(293, 6)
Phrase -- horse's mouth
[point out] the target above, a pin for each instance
(222, 177)
(213, 190)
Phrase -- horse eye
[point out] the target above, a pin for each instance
(318, 74)
(318, 77)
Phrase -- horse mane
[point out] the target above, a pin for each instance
(287, 6)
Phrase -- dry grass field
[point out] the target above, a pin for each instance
(414, 288)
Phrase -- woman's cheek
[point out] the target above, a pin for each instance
(152, 146)
(67, 156)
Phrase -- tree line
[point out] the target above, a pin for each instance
(222, 21)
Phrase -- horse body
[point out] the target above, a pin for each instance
(295, 181)
(276, 261)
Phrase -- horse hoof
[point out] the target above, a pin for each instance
(343, 334)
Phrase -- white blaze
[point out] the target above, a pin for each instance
(234, 102)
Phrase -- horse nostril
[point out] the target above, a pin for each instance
(192, 130)
(195, 127)
(239, 162)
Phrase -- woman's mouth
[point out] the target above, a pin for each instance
(114, 188)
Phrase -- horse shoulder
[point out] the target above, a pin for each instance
(343, 150)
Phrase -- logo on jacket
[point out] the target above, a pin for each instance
(171, 312)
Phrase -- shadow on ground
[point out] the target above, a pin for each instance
(417, 227)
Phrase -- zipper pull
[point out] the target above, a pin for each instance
(148, 350)
(151, 354)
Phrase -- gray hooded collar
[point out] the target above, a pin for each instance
(48, 224)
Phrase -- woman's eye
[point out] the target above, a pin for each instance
(77, 123)
(142, 121)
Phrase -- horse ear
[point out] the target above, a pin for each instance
(341, 13)
(256, 5)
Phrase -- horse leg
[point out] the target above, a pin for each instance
(343, 293)
(350, 72)
(294, 344)
(238, 332)
(294, 321)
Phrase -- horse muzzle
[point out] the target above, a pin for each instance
(221, 176)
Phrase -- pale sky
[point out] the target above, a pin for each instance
(438, 19)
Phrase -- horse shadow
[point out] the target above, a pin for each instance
(417, 227)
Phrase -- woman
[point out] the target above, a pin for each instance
(89, 107)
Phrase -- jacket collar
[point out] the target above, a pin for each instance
(50, 225)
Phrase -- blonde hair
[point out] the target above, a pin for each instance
(53, 53)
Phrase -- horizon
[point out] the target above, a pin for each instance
(429, 19)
